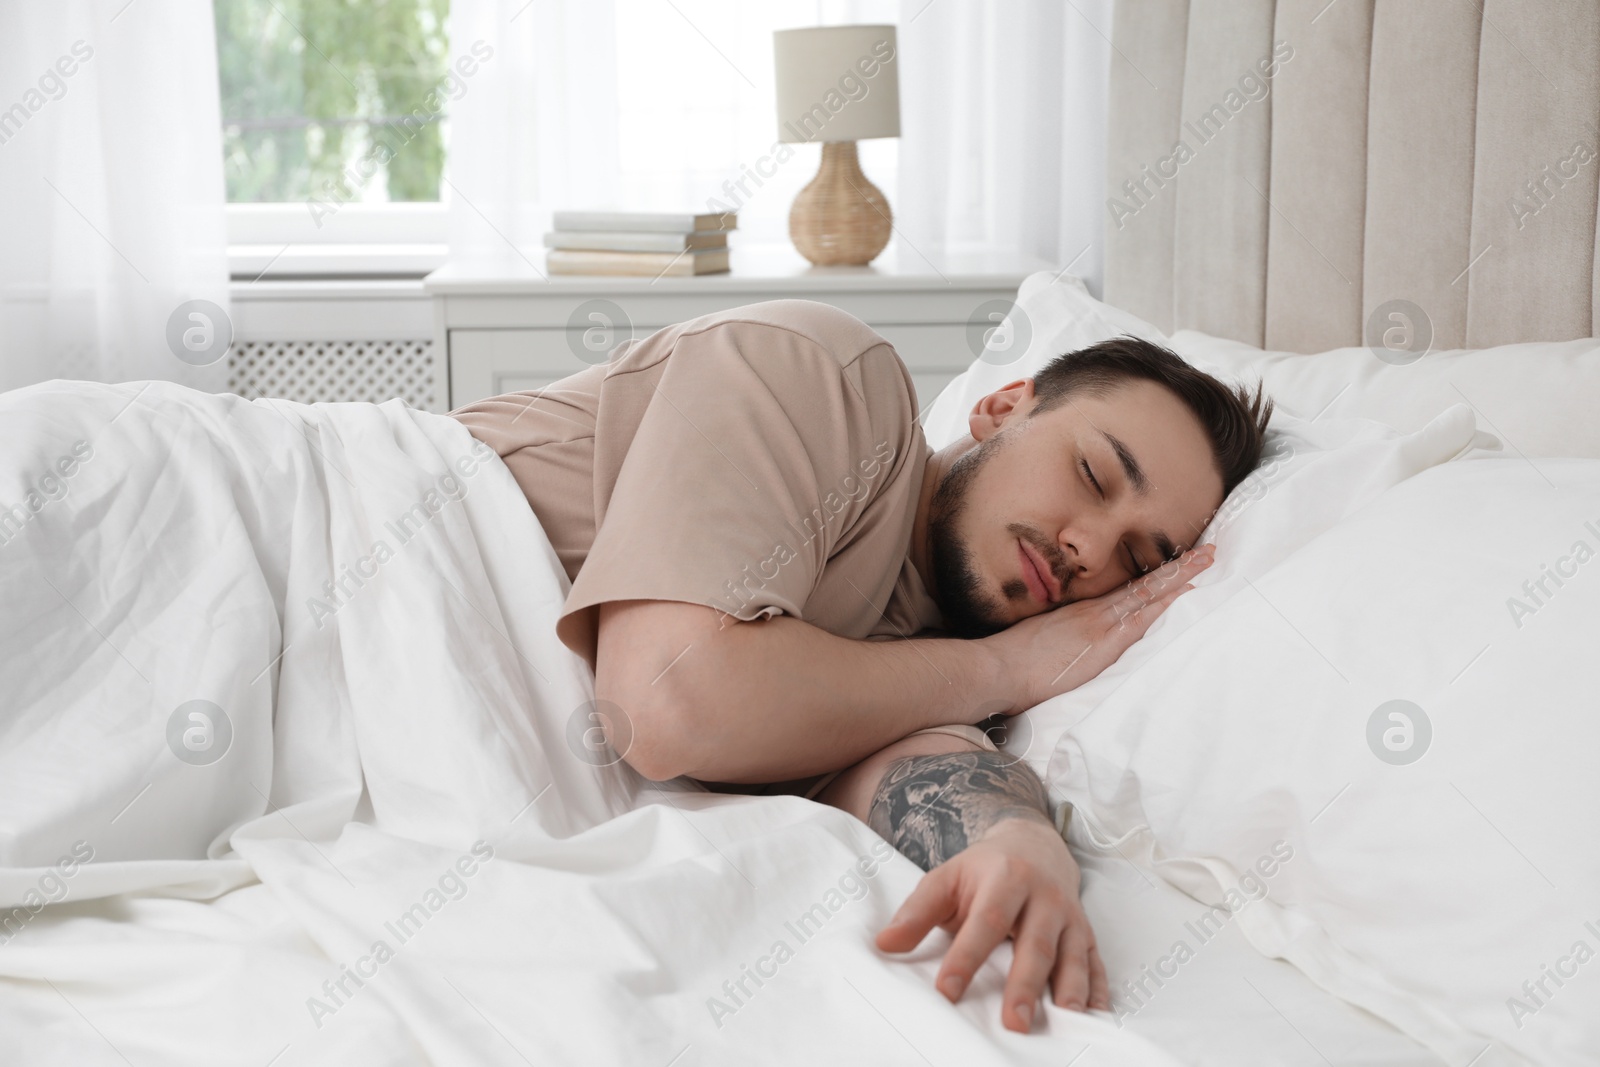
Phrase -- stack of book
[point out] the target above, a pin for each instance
(638, 242)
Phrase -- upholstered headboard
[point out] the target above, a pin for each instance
(1277, 172)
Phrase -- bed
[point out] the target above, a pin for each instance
(391, 837)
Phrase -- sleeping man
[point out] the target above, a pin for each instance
(781, 588)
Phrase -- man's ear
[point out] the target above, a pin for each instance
(1013, 400)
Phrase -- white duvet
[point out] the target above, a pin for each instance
(293, 770)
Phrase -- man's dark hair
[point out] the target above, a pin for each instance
(1234, 419)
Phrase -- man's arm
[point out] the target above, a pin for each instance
(721, 700)
(979, 823)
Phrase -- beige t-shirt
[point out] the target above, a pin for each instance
(759, 460)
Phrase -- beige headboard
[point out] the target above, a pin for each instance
(1442, 152)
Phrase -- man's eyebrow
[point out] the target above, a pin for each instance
(1130, 466)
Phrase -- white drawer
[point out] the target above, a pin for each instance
(490, 362)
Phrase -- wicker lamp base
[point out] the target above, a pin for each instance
(840, 218)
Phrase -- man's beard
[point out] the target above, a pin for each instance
(967, 610)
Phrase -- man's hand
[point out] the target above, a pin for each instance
(1058, 650)
(978, 822)
(1019, 881)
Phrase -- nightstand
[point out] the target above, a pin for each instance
(507, 328)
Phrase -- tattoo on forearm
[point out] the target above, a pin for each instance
(931, 807)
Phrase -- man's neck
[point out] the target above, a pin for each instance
(933, 473)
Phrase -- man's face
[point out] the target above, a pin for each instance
(1068, 504)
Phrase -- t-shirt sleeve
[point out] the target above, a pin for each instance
(756, 453)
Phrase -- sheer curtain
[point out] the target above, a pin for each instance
(1003, 127)
(535, 129)
(111, 178)
(668, 104)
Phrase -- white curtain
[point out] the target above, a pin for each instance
(536, 125)
(111, 181)
(658, 105)
(1003, 127)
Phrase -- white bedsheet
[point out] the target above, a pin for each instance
(1228, 1006)
(404, 796)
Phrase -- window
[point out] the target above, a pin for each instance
(334, 156)
(333, 134)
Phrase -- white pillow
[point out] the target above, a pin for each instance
(1260, 749)
(1541, 399)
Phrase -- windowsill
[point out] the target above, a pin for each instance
(286, 241)
(283, 262)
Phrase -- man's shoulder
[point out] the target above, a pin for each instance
(791, 348)
(833, 330)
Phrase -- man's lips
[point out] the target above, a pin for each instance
(1037, 573)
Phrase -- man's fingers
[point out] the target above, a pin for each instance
(991, 920)
(1118, 636)
(1164, 579)
(931, 904)
(1036, 943)
(1099, 987)
(1070, 982)
(1134, 624)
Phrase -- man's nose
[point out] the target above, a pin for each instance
(1086, 548)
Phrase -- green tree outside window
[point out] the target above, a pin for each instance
(326, 99)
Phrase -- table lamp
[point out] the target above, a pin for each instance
(838, 85)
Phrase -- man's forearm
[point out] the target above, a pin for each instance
(933, 806)
(781, 699)
(933, 795)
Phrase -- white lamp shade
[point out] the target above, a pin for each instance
(837, 83)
